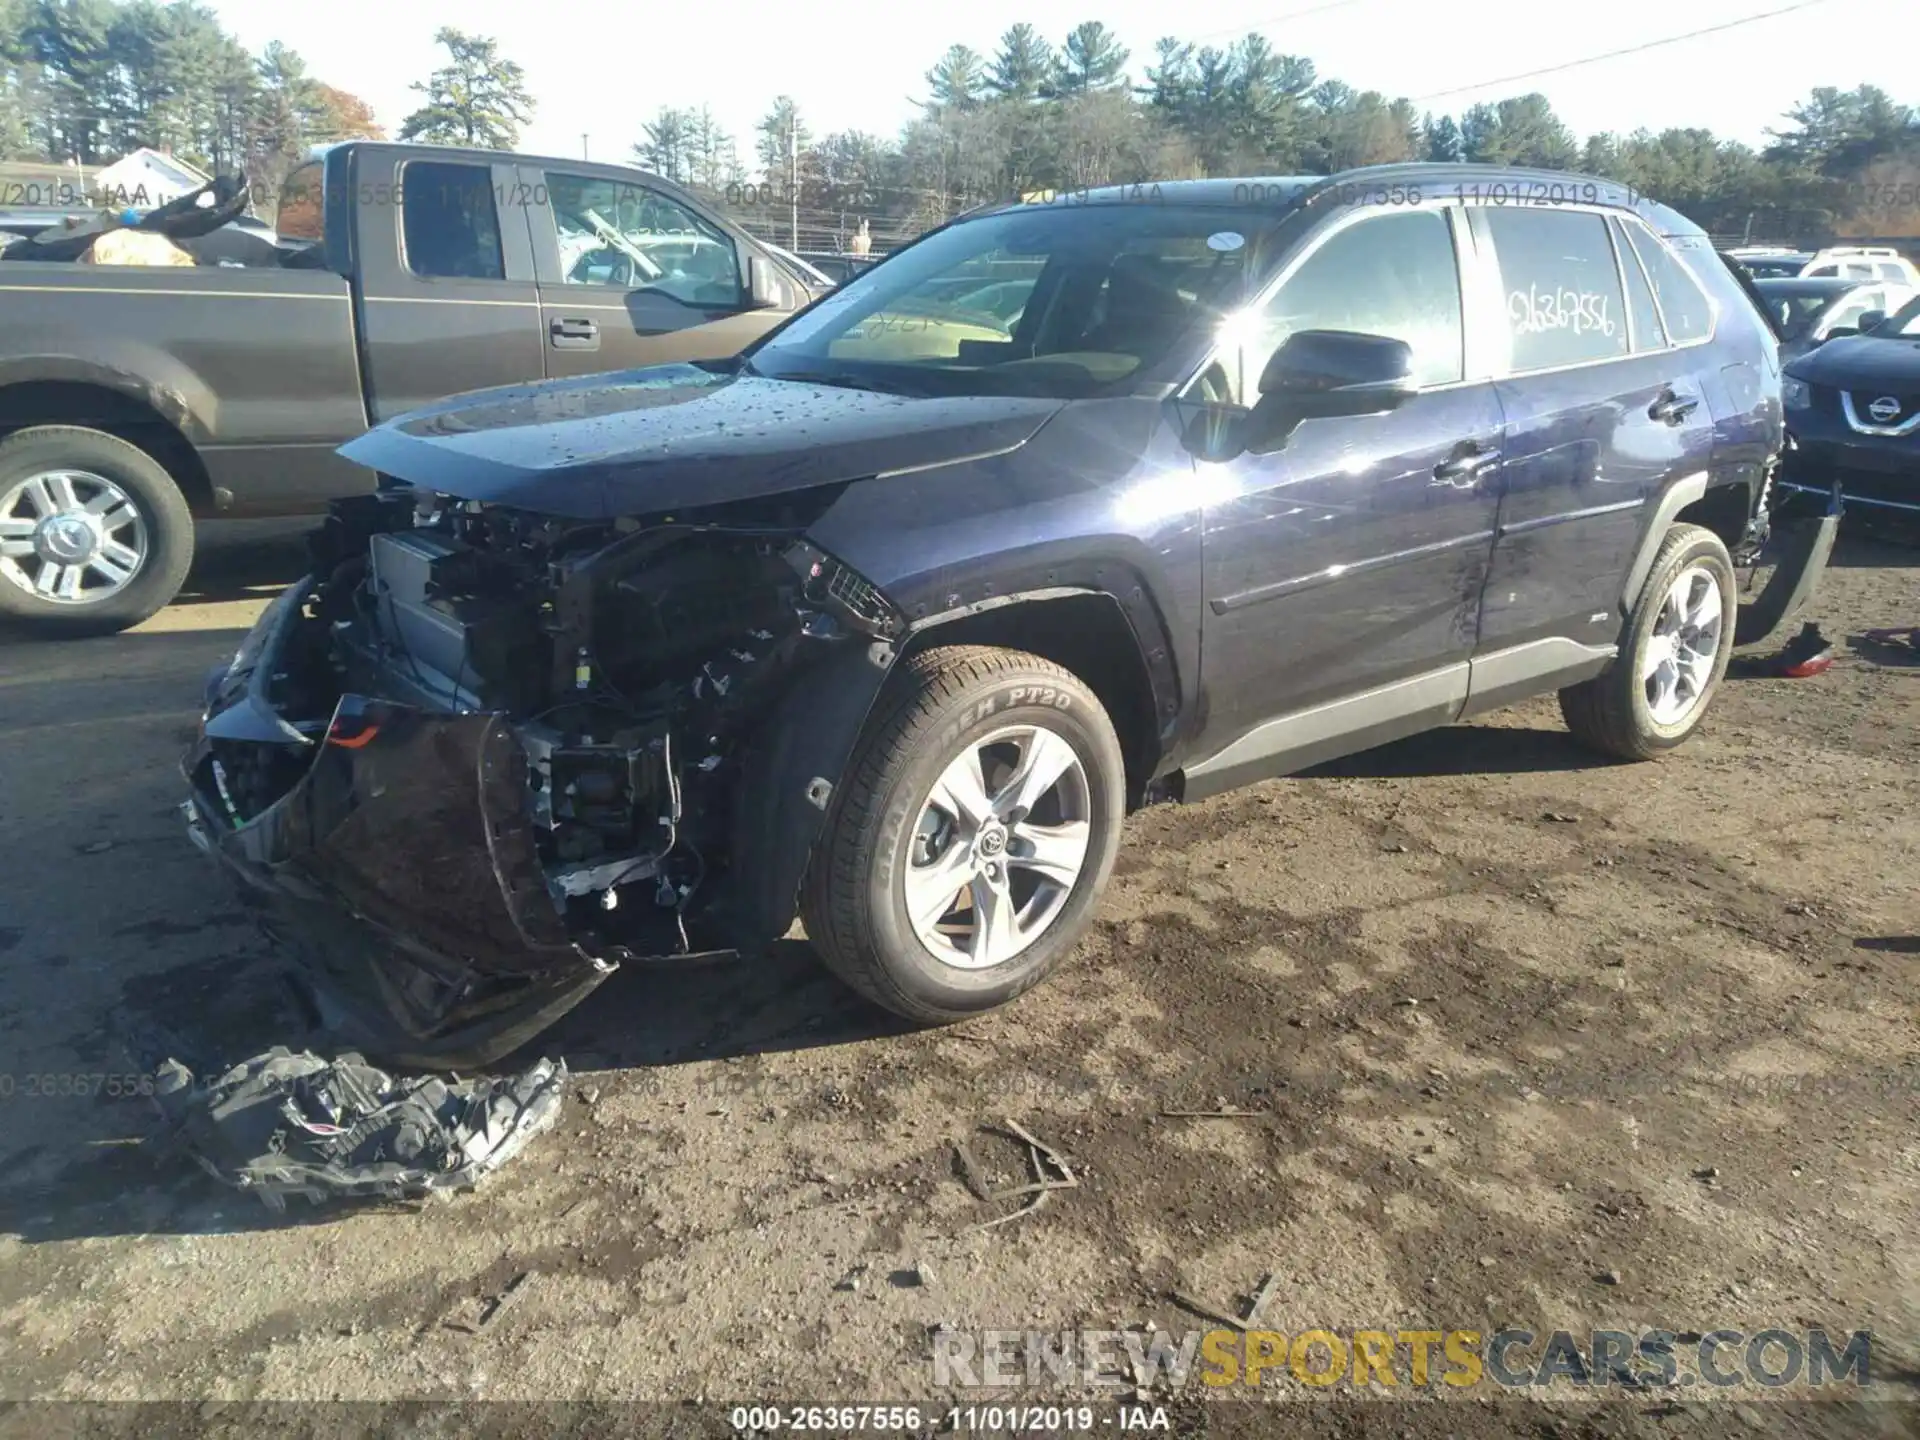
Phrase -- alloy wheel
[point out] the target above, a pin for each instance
(999, 845)
(1680, 654)
(70, 537)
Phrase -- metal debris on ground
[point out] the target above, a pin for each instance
(285, 1124)
(1043, 1158)
(1238, 1322)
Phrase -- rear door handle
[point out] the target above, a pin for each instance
(1672, 408)
(574, 333)
(1463, 468)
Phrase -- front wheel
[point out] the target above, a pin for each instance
(1679, 639)
(973, 835)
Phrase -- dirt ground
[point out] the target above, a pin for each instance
(1528, 1040)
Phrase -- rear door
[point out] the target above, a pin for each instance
(633, 274)
(1604, 407)
(446, 293)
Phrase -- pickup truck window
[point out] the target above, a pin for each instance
(302, 213)
(450, 225)
(1392, 275)
(1562, 293)
(611, 233)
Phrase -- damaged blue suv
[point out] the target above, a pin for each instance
(1066, 508)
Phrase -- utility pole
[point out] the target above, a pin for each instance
(583, 146)
(793, 180)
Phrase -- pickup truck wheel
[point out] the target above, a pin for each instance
(972, 837)
(1679, 640)
(94, 534)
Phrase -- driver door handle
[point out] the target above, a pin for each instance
(1463, 468)
(574, 333)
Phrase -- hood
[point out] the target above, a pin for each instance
(1861, 362)
(673, 437)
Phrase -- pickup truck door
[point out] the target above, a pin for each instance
(446, 295)
(634, 274)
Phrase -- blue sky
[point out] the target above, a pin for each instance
(601, 69)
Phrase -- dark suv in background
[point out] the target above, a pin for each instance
(891, 621)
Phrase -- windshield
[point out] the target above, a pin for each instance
(1903, 324)
(1793, 310)
(1057, 302)
(1777, 268)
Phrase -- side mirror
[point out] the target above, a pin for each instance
(1316, 374)
(764, 290)
(1870, 320)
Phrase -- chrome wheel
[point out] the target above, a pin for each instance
(999, 845)
(1680, 654)
(70, 537)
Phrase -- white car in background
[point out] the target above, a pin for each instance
(1841, 262)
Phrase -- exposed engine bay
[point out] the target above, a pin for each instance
(552, 714)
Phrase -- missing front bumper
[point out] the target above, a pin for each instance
(401, 872)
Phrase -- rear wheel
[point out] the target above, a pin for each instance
(94, 534)
(1679, 639)
(973, 836)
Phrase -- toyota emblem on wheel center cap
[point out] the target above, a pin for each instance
(1884, 409)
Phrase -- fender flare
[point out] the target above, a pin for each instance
(788, 786)
(1675, 498)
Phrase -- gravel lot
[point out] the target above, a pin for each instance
(1514, 1025)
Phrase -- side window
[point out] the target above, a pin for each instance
(1394, 275)
(1563, 297)
(1815, 272)
(1683, 305)
(1892, 271)
(1846, 315)
(449, 223)
(1648, 332)
(1857, 270)
(612, 233)
(301, 214)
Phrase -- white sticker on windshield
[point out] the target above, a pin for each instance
(1226, 240)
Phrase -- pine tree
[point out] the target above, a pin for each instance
(1092, 59)
(478, 99)
(1024, 66)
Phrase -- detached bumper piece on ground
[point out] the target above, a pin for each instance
(285, 1124)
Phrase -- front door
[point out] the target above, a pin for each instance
(1344, 569)
(632, 275)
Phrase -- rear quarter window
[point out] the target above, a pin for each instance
(449, 222)
(1683, 304)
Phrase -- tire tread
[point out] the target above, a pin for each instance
(926, 683)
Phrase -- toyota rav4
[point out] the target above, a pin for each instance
(1068, 507)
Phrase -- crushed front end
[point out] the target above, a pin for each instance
(481, 756)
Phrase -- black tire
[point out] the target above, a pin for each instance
(145, 482)
(854, 905)
(1610, 713)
